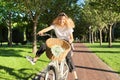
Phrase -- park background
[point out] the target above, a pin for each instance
(97, 24)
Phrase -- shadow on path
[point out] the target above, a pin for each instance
(84, 67)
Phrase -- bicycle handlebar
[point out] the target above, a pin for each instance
(45, 35)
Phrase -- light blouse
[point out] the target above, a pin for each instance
(62, 32)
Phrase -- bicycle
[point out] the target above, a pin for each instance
(57, 69)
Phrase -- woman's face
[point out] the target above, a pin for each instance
(62, 20)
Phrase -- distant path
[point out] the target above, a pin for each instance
(89, 66)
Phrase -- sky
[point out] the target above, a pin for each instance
(80, 1)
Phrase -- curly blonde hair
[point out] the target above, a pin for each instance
(68, 21)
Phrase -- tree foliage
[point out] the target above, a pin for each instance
(34, 15)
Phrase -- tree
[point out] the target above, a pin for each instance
(111, 19)
(34, 8)
(8, 8)
(109, 12)
(91, 17)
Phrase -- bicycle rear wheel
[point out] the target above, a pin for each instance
(51, 73)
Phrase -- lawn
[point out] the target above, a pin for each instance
(110, 56)
(14, 66)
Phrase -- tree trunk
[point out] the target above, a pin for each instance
(25, 39)
(106, 35)
(110, 36)
(92, 35)
(10, 31)
(35, 21)
(34, 50)
(100, 37)
(95, 37)
(113, 39)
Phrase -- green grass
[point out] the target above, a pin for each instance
(110, 56)
(14, 66)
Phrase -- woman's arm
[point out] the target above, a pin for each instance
(44, 30)
(71, 38)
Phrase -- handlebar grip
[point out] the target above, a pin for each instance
(45, 35)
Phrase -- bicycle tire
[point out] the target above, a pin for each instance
(51, 73)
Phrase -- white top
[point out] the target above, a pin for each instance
(62, 32)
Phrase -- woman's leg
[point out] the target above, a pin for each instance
(71, 65)
(70, 62)
(38, 54)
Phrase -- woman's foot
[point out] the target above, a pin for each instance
(75, 75)
(30, 59)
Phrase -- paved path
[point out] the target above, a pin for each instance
(89, 66)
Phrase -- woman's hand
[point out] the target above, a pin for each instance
(40, 33)
(70, 41)
(71, 38)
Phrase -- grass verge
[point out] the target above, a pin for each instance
(110, 56)
(14, 66)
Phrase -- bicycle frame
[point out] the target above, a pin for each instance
(61, 67)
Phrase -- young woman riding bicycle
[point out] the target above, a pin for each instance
(63, 27)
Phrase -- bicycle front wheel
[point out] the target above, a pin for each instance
(51, 73)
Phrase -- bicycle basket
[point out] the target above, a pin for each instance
(55, 41)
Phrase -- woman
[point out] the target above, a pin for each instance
(63, 27)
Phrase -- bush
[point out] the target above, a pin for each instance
(3, 34)
(17, 35)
